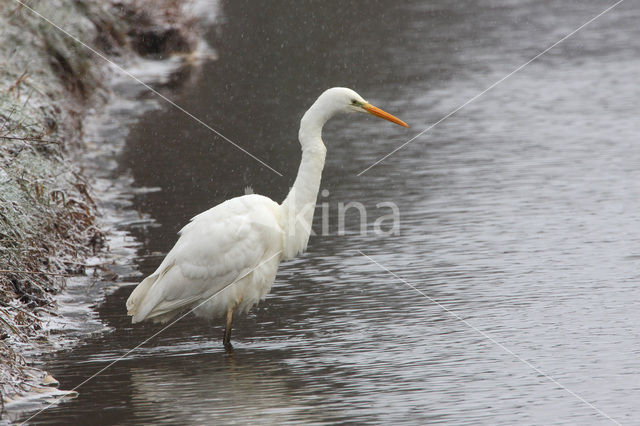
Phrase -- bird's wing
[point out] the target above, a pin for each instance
(214, 249)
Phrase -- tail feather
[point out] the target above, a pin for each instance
(134, 302)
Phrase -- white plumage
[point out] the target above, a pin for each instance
(214, 249)
(227, 257)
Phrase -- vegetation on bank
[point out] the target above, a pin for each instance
(47, 215)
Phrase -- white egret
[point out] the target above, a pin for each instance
(226, 258)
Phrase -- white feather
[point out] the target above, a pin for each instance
(214, 249)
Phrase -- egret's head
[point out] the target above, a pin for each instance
(341, 99)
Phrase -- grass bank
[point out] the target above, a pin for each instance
(47, 215)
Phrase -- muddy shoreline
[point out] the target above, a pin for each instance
(51, 91)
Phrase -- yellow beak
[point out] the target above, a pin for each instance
(383, 114)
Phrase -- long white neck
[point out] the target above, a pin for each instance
(299, 206)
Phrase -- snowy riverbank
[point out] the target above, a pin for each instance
(51, 89)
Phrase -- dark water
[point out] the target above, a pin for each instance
(520, 215)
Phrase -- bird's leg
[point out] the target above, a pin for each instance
(226, 340)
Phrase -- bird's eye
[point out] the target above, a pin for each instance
(354, 102)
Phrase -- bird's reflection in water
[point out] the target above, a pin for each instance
(201, 388)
